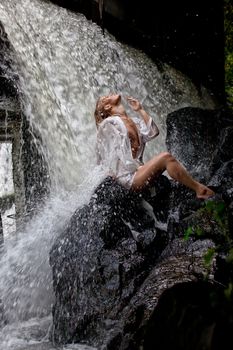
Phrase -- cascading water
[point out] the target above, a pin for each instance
(6, 185)
(64, 63)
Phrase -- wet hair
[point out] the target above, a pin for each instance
(100, 113)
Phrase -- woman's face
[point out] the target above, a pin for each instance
(111, 99)
(113, 104)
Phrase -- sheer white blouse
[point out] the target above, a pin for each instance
(114, 149)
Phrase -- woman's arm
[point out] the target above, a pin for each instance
(137, 107)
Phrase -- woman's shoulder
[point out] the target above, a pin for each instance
(113, 118)
(113, 122)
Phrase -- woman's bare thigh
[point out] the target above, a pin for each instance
(148, 172)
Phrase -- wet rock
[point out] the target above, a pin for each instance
(107, 281)
(202, 323)
(98, 263)
(224, 151)
(124, 253)
(200, 139)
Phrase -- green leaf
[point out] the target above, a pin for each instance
(188, 232)
(228, 291)
(229, 258)
(208, 257)
(199, 231)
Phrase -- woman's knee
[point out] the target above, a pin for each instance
(166, 157)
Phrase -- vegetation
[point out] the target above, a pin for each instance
(228, 29)
(212, 221)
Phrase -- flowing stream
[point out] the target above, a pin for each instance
(63, 63)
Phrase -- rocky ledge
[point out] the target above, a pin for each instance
(153, 270)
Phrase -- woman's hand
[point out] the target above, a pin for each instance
(134, 104)
(137, 107)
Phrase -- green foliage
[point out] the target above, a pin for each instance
(197, 230)
(213, 216)
(229, 78)
(188, 233)
(230, 256)
(229, 291)
(217, 210)
(209, 256)
(228, 30)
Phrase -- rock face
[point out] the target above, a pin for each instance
(200, 139)
(130, 267)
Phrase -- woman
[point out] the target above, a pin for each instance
(120, 147)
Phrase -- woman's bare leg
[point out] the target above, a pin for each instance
(165, 161)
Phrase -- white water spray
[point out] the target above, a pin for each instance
(64, 63)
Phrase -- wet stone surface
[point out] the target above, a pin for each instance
(123, 252)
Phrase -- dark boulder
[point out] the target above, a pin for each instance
(122, 259)
(200, 139)
(98, 261)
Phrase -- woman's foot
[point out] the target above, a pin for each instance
(204, 192)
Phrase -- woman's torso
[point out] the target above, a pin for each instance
(133, 135)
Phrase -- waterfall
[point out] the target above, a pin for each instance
(64, 63)
(6, 185)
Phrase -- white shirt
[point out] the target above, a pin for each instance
(114, 149)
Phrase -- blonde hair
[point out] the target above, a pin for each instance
(100, 112)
